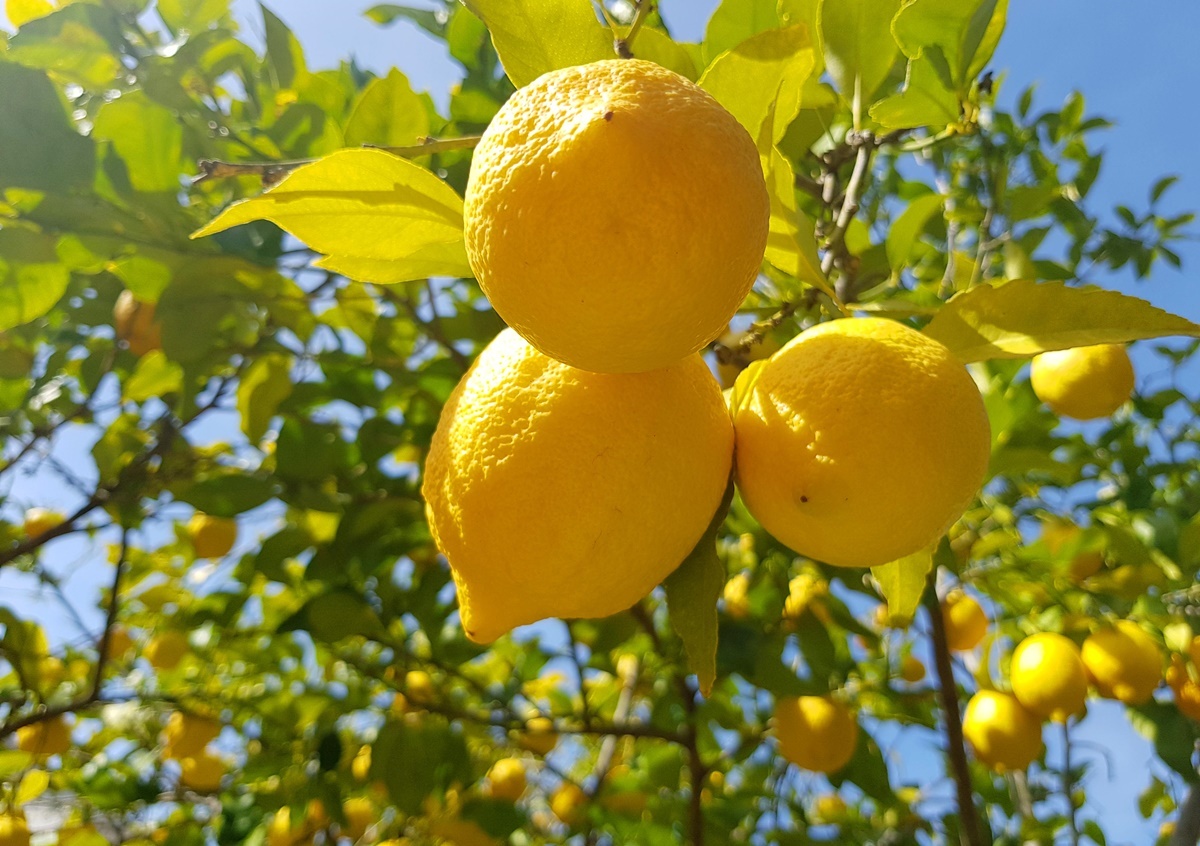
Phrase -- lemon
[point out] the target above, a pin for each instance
(46, 737)
(569, 803)
(815, 733)
(1084, 382)
(1187, 698)
(166, 649)
(279, 829)
(360, 815)
(1004, 733)
(135, 324)
(212, 537)
(419, 687)
(462, 833)
(360, 765)
(805, 592)
(1048, 677)
(829, 808)
(13, 830)
(539, 735)
(1123, 662)
(202, 773)
(38, 521)
(911, 669)
(555, 492)
(616, 215)
(119, 643)
(507, 779)
(966, 624)
(736, 596)
(1194, 652)
(1058, 534)
(860, 442)
(186, 735)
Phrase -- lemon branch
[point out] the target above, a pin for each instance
(623, 45)
(955, 749)
(1187, 826)
(1067, 785)
(272, 172)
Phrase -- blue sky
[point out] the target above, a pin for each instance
(1138, 66)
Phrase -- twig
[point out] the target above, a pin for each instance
(849, 206)
(1187, 826)
(1072, 822)
(623, 45)
(272, 172)
(955, 750)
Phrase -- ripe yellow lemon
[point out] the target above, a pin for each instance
(203, 773)
(14, 831)
(45, 737)
(212, 537)
(360, 765)
(829, 808)
(1085, 382)
(1004, 733)
(1123, 662)
(539, 735)
(616, 215)
(1057, 534)
(815, 733)
(186, 735)
(569, 803)
(966, 624)
(555, 492)
(860, 442)
(1048, 677)
(119, 643)
(166, 649)
(458, 832)
(911, 669)
(38, 521)
(134, 321)
(805, 593)
(736, 596)
(507, 779)
(360, 815)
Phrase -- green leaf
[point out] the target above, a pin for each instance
(31, 279)
(265, 384)
(859, 48)
(285, 56)
(908, 227)
(1173, 735)
(375, 216)
(902, 583)
(147, 137)
(924, 101)
(227, 493)
(1022, 318)
(414, 760)
(791, 239)
(335, 616)
(156, 376)
(433, 22)
(733, 21)
(656, 46)
(41, 149)
(192, 16)
(867, 769)
(388, 113)
(12, 761)
(958, 37)
(692, 593)
(81, 43)
(536, 36)
(760, 82)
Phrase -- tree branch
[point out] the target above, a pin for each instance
(955, 750)
(624, 45)
(1187, 826)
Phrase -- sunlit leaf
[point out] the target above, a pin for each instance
(733, 21)
(902, 583)
(957, 37)
(907, 228)
(265, 384)
(368, 212)
(859, 47)
(1022, 318)
(33, 784)
(388, 113)
(692, 593)
(791, 240)
(31, 279)
(21, 12)
(924, 101)
(155, 376)
(536, 36)
(147, 137)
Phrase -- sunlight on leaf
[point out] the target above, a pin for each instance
(902, 583)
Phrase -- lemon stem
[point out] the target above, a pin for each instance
(624, 45)
(948, 693)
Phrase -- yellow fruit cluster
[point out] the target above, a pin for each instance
(616, 217)
(186, 739)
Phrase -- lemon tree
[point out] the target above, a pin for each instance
(640, 440)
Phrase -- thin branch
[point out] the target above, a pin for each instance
(955, 750)
(1067, 786)
(1187, 826)
(272, 172)
(849, 207)
(624, 45)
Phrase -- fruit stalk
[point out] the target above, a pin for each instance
(955, 750)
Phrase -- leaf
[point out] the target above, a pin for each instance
(924, 101)
(266, 383)
(227, 493)
(733, 21)
(192, 16)
(908, 227)
(33, 785)
(415, 759)
(12, 761)
(1022, 318)
(656, 46)
(692, 593)
(859, 48)
(760, 82)
(388, 113)
(335, 616)
(1173, 735)
(958, 37)
(433, 22)
(21, 11)
(791, 239)
(148, 138)
(536, 36)
(41, 149)
(369, 212)
(902, 583)
(31, 279)
(285, 56)
(156, 376)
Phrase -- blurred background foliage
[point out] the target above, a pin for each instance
(300, 403)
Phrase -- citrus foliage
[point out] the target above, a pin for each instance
(314, 681)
